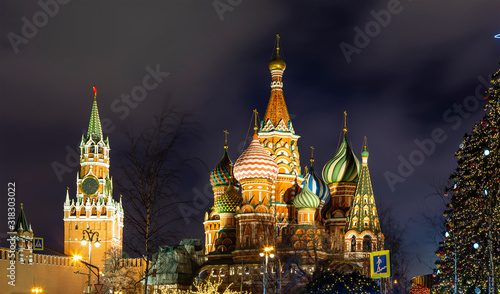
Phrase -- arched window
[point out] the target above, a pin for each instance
(367, 244)
(353, 244)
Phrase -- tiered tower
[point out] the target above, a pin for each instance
(278, 137)
(220, 177)
(256, 171)
(363, 233)
(341, 173)
(93, 208)
(24, 237)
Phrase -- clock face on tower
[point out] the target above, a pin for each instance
(90, 185)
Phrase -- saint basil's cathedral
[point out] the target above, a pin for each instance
(264, 203)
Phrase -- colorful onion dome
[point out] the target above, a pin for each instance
(306, 199)
(255, 163)
(227, 202)
(316, 184)
(220, 174)
(343, 167)
(277, 62)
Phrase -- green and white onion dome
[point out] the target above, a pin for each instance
(306, 199)
(343, 167)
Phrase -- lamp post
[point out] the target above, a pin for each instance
(90, 237)
(267, 253)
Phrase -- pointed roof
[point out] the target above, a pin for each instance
(362, 209)
(277, 112)
(21, 222)
(95, 129)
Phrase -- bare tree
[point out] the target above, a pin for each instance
(395, 234)
(151, 181)
(117, 276)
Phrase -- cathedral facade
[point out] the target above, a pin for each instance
(270, 218)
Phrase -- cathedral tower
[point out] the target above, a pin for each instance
(256, 171)
(341, 173)
(24, 236)
(363, 234)
(220, 177)
(93, 208)
(278, 137)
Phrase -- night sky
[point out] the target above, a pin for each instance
(415, 70)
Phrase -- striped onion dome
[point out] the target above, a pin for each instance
(306, 199)
(343, 167)
(316, 184)
(255, 163)
(227, 202)
(220, 174)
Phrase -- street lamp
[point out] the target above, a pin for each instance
(90, 237)
(267, 253)
(36, 290)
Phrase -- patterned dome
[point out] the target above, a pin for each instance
(220, 174)
(316, 184)
(255, 163)
(228, 201)
(343, 167)
(306, 199)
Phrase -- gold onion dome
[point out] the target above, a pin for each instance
(277, 62)
(306, 199)
(229, 201)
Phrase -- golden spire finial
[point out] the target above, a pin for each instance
(364, 144)
(21, 206)
(225, 139)
(345, 122)
(277, 44)
(255, 128)
(67, 188)
(312, 156)
(230, 172)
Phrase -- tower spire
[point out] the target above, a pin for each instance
(276, 116)
(277, 45)
(95, 129)
(312, 156)
(345, 123)
(255, 128)
(225, 139)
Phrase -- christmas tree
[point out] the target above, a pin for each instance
(470, 252)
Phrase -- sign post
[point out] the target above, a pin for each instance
(380, 265)
(37, 243)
